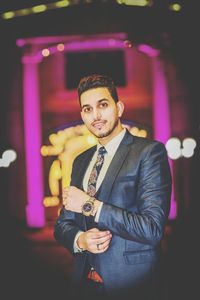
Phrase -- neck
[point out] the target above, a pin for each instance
(104, 140)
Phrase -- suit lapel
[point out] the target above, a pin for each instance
(78, 179)
(115, 167)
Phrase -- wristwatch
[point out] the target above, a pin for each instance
(88, 207)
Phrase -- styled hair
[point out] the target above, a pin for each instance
(95, 81)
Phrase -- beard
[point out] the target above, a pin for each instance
(107, 133)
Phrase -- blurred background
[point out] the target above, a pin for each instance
(150, 48)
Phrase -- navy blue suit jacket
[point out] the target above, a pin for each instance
(136, 194)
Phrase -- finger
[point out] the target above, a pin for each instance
(101, 246)
(101, 250)
(100, 236)
(104, 245)
(104, 239)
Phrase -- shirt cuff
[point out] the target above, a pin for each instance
(76, 247)
(96, 219)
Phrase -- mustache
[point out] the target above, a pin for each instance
(97, 122)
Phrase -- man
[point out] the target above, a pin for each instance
(113, 220)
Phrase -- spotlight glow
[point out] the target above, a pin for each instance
(7, 158)
(173, 147)
(189, 145)
(45, 52)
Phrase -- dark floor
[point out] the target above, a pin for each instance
(34, 266)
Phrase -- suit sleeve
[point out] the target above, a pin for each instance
(65, 228)
(153, 201)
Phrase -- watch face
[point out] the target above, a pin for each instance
(87, 207)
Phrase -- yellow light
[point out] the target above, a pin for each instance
(44, 151)
(45, 52)
(55, 175)
(134, 2)
(51, 201)
(53, 139)
(134, 130)
(56, 171)
(61, 137)
(62, 3)
(175, 7)
(39, 8)
(8, 15)
(24, 11)
(60, 47)
(142, 133)
(91, 140)
(56, 150)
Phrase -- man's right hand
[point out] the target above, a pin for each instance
(94, 240)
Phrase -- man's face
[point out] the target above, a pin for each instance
(100, 113)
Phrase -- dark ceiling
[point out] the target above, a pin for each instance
(156, 24)
(175, 33)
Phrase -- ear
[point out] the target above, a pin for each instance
(120, 108)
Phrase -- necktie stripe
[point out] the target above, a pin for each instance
(91, 190)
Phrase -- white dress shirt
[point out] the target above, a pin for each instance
(111, 148)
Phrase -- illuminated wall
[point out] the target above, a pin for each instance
(48, 104)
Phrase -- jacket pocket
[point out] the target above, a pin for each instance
(141, 257)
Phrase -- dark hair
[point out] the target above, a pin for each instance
(95, 81)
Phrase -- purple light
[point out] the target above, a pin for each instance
(161, 104)
(20, 42)
(161, 115)
(95, 44)
(150, 51)
(32, 129)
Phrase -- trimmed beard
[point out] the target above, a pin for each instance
(105, 134)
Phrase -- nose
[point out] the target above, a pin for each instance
(96, 114)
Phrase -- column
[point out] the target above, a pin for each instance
(35, 216)
(161, 114)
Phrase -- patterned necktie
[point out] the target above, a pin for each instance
(91, 190)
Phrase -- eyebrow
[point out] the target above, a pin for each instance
(99, 101)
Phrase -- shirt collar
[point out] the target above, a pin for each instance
(111, 146)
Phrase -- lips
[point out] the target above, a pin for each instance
(98, 124)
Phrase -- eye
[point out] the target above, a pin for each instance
(87, 109)
(103, 105)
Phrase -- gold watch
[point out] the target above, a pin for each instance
(88, 207)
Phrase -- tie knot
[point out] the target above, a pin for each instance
(102, 150)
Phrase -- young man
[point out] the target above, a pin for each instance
(115, 210)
